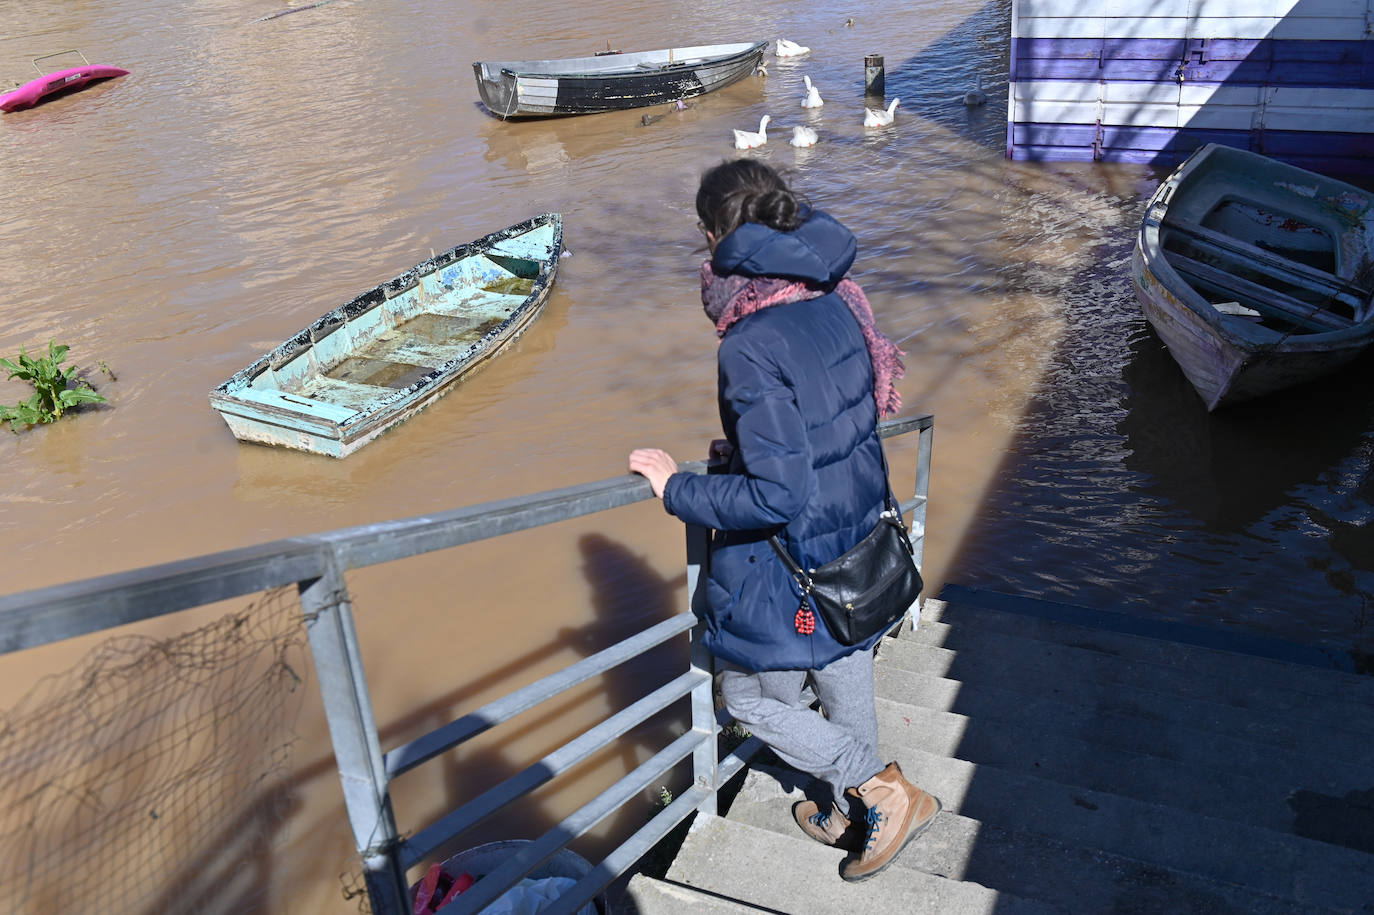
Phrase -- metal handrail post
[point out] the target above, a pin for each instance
(705, 762)
(925, 442)
(353, 732)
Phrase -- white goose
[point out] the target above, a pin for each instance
(877, 117)
(791, 48)
(745, 139)
(813, 95)
(803, 136)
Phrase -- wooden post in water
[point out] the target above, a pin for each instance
(874, 81)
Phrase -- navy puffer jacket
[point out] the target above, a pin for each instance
(796, 401)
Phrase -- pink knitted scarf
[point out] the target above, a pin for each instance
(729, 298)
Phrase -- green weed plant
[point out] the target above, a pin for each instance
(55, 390)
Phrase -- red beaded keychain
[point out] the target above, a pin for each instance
(805, 620)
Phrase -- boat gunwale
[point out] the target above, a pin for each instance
(521, 68)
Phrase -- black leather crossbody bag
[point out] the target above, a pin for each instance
(868, 589)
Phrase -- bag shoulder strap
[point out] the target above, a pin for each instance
(794, 567)
(797, 571)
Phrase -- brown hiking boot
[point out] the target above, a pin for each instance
(898, 812)
(829, 827)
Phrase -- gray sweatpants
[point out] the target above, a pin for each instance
(840, 748)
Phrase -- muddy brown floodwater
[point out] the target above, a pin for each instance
(247, 176)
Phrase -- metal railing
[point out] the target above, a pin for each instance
(316, 565)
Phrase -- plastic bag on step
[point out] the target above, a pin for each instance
(530, 895)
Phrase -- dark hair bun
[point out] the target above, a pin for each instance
(746, 190)
(778, 209)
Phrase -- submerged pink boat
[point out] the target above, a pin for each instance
(69, 80)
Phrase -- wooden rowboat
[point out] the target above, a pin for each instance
(377, 360)
(55, 83)
(611, 82)
(1256, 274)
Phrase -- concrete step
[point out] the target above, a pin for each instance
(1084, 770)
(647, 896)
(801, 877)
(1250, 692)
(1091, 681)
(1023, 864)
(1165, 643)
(1079, 713)
(1060, 758)
(1285, 866)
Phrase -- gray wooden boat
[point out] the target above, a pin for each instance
(612, 81)
(1256, 274)
(377, 360)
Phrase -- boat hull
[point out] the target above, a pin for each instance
(376, 361)
(613, 82)
(1182, 270)
(60, 81)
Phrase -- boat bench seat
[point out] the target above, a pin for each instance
(1261, 298)
(431, 355)
(665, 65)
(1270, 263)
(297, 403)
(347, 395)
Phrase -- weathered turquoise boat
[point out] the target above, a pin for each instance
(373, 362)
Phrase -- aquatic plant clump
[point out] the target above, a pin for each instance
(56, 390)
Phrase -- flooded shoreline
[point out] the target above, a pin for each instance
(247, 177)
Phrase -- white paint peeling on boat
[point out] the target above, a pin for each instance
(1301, 190)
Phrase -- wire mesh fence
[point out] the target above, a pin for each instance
(151, 777)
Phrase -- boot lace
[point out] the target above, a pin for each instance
(821, 818)
(875, 825)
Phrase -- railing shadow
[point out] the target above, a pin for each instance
(233, 872)
(627, 594)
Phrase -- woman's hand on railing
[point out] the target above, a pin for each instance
(655, 465)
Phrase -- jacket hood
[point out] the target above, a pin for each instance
(820, 250)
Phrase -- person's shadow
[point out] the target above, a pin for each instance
(629, 595)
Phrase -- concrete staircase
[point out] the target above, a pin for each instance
(1082, 769)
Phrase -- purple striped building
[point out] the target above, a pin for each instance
(1128, 81)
